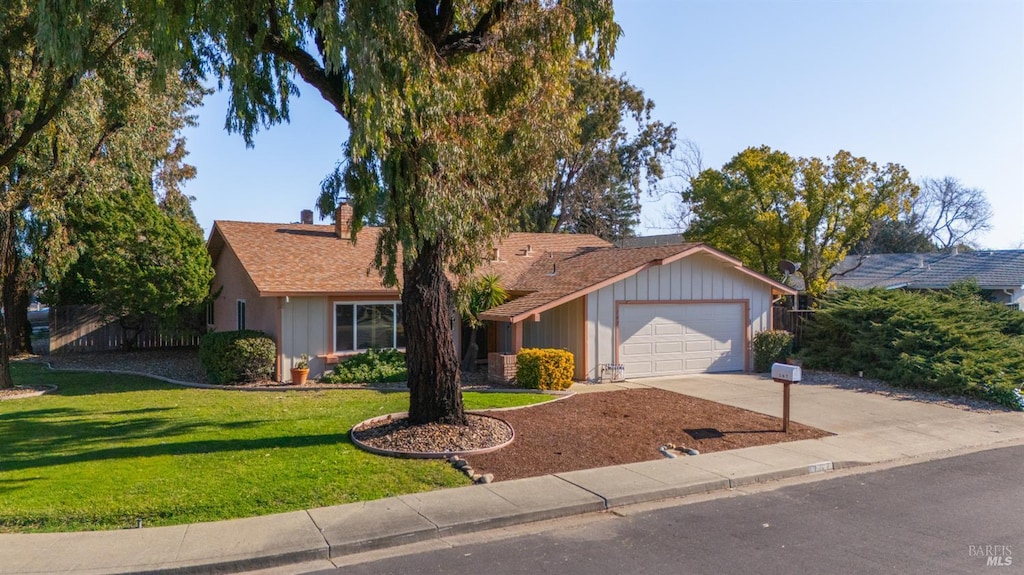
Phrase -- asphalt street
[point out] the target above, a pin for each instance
(958, 515)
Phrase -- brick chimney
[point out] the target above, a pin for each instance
(343, 221)
(306, 217)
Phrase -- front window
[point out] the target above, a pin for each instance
(359, 326)
(241, 314)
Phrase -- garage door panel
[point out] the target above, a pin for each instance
(698, 346)
(667, 329)
(637, 349)
(667, 339)
(668, 347)
(669, 365)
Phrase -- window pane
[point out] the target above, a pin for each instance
(343, 328)
(399, 327)
(375, 326)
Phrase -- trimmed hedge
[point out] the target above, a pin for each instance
(373, 366)
(544, 368)
(771, 346)
(953, 343)
(230, 357)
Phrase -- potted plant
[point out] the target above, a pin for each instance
(300, 371)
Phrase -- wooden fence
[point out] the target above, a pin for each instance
(83, 329)
(793, 321)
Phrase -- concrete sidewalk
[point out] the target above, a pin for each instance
(870, 428)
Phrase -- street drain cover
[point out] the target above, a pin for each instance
(704, 433)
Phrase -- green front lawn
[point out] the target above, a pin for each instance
(107, 450)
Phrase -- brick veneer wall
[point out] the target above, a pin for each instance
(501, 367)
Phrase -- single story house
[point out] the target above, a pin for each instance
(658, 310)
(999, 273)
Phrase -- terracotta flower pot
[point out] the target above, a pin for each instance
(299, 376)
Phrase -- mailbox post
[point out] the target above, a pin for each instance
(786, 375)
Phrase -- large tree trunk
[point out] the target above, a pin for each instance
(16, 299)
(8, 249)
(21, 333)
(435, 395)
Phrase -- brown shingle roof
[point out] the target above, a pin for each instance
(513, 259)
(556, 275)
(297, 259)
(303, 259)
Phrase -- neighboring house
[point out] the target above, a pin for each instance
(999, 273)
(655, 310)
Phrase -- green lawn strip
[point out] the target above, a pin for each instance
(108, 450)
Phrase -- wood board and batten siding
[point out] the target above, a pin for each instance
(560, 328)
(692, 280)
(306, 321)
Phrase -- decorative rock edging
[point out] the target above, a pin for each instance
(463, 466)
(670, 450)
(30, 391)
(421, 454)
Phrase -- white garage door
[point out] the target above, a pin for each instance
(670, 339)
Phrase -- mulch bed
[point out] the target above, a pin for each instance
(617, 427)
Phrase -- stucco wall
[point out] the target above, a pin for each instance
(231, 283)
(234, 284)
(696, 278)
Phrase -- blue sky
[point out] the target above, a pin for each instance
(934, 85)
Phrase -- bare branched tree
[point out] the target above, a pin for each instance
(951, 213)
(686, 163)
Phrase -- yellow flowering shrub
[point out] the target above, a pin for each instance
(544, 368)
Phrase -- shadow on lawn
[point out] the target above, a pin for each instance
(42, 431)
(180, 448)
(11, 485)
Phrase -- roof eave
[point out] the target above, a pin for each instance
(778, 288)
(366, 294)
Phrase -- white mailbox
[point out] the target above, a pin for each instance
(785, 372)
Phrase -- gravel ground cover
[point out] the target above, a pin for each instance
(398, 435)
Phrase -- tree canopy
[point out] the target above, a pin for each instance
(617, 149)
(456, 115)
(951, 213)
(945, 215)
(764, 206)
(74, 80)
(896, 236)
(137, 258)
